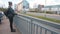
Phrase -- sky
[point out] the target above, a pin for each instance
(32, 2)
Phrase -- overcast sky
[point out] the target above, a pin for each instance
(32, 2)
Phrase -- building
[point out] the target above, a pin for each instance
(25, 4)
(53, 8)
(19, 6)
(22, 5)
(40, 7)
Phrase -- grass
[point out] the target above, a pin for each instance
(45, 18)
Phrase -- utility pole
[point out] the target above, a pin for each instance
(45, 10)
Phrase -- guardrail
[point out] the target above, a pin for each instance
(31, 25)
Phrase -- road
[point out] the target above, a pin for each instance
(54, 16)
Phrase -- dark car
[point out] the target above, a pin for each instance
(1, 16)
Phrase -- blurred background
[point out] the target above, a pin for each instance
(41, 6)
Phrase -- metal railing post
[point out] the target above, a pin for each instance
(36, 29)
(31, 26)
(40, 30)
(45, 31)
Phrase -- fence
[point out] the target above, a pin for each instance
(31, 25)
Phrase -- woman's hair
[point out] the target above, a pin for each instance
(10, 3)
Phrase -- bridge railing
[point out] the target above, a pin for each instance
(31, 25)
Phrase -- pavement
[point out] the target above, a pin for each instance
(5, 28)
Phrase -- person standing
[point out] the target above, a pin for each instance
(10, 14)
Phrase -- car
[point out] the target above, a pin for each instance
(1, 16)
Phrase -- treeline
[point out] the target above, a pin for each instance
(3, 9)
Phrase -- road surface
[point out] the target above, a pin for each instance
(54, 16)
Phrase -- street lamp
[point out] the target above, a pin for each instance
(45, 9)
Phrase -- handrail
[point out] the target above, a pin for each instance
(45, 21)
(54, 28)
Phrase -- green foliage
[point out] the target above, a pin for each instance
(3, 9)
(49, 12)
(45, 18)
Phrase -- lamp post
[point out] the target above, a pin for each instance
(45, 9)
